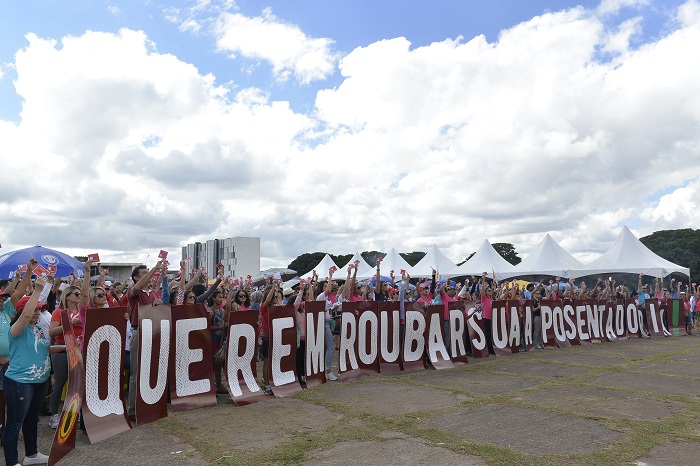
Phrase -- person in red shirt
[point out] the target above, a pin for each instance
(74, 300)
(264, 338)
(115, 295)
(138, 294)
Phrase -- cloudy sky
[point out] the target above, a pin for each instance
(134, 126)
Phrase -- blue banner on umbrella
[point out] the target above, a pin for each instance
(65, 264)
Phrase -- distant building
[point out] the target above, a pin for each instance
(240, 256)
(119, 271)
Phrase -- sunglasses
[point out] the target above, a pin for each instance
(191, 296)
(101, 295)
(76, 294)
(242, 295)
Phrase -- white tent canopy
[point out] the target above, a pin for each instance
(322, 269)
(485, 259)
(629, 255)
(394, 261)
(364, 270)
(548, 258)
(433, 260)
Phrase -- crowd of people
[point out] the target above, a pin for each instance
(33, 352)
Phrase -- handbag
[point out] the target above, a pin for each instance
(220, 356)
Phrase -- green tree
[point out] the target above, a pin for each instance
(507, 251)
(371, 256)
(305, 262)
(412, 257)
(682, 247)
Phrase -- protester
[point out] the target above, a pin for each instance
(329, 296)
(242, 298)
(487, 311)
(26, 380)
(264, 335)
(72, 300)
(138, 294)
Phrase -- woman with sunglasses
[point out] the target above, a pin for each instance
(71, 300)
(242, 299)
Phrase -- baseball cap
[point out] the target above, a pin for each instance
(22, 303)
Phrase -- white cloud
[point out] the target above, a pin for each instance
(448, 143)
(619, 41)
(613, 6)
(114, 10)
(689, 13)
(285, 46)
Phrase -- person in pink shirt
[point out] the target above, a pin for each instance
(352, 291)
(487, 311)
(447, 295)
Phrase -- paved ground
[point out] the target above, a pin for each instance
(630, 402)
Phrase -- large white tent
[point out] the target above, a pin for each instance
(548, 258)
(322, 269)
(629, 255)
(433, 260)
(485, 259)
(364, 270)
(394, 261)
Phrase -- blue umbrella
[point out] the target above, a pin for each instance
(65, 264)
(382, 278)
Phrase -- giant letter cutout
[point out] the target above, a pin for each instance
(499, 328)
(283, 351)
(527, 324)
(593, 317)
(389, 333)
(437, 352)
(654, 318)
(570, 329)
(192, 359)
(154, 327)
(676, 312)
(458, 334)
(241, 360)
(104, 411)
(64, 438)
(620, 328)
(315, 359)
(547, 317)
(634, 323)
(475, 326)
(414, 340)
(349, 368)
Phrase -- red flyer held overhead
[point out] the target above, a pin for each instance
(162, 254)
(22, 268)
(94, 258)
(40, 271)
(53, 269)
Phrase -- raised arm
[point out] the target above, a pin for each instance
(327, 289)
(300, 296)
(378, 279)
(211, 290)
(141, 284)
(349, 283)
(24, 283)
(28, 311)
(85, 286)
